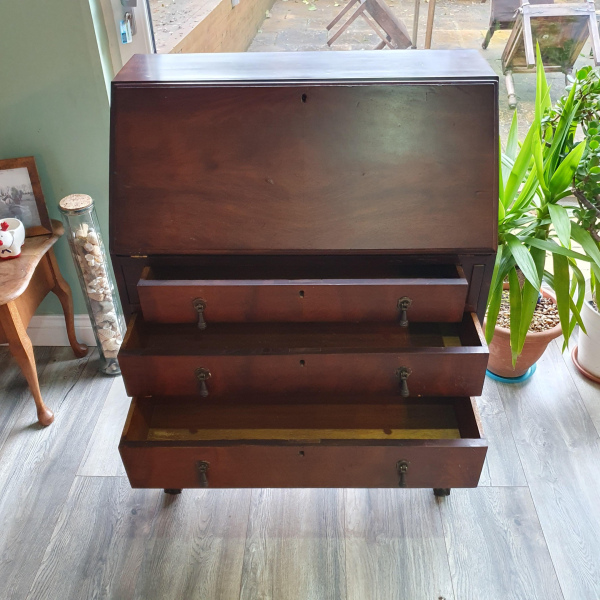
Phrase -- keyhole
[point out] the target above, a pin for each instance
(301, 293)
(304, 97)
(301, 453)
(302, 363)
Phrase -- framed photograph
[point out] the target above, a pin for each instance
(21, 195)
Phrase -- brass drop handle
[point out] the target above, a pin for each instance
(202, 467)
(402, 468)
(403, 373)
(202, 375)
(200, 306)
(403, 305)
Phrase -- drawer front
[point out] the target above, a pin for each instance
(433, 463)
(432, 373)
(359, 300)
(176, 443)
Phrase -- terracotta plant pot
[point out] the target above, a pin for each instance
(500, 362)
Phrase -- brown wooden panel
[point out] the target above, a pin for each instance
(284, 360)
(303, 167)
(289, 463)
(301, 300)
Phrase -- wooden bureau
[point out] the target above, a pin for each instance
(304, 244)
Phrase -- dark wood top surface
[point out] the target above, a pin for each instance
(273, 67)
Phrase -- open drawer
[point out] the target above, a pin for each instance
(185, 443)
(377, 292)
(230, 359)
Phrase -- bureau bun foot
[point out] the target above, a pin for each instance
(172, 491)
(441, 492)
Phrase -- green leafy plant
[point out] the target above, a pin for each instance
(533, 225)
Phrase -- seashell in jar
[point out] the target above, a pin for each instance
(89, 247)
(105, 334)
(96, 296)
(96, 250)
(92, 238)
(111, 354)
(82, 231)
(110, 344)
(111, 317)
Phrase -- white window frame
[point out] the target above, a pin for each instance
(143, 40)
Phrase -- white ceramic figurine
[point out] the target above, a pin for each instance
(12, 238)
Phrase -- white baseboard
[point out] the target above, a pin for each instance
(50, 330)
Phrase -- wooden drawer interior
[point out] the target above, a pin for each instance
(311, 289)
(233, 339)
(297, 358)
(303, 445)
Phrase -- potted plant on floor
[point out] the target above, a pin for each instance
(533, 226)
(586, 188)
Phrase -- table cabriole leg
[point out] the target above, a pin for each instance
(20, 347)
(63, 292)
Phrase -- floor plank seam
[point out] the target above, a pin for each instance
(50, 539)
(569, 371)
(252, 492)
(547, 546)
(439, 512)
(87, 446)
(512, 435)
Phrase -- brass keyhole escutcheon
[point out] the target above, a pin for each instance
(202, 375)
(403, 373)
(200, 306)
(404, 304)
(402, 468)
(202, 467)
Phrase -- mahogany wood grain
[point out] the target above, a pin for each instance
(301, 300)
(307, 359)
(289, 463)
(321, 167)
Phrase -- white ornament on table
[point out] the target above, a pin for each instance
(12, 238)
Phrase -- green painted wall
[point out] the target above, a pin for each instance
(54, 105)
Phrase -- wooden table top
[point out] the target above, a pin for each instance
(15, 274)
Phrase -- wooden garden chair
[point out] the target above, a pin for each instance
(380, 18)
(561, 31)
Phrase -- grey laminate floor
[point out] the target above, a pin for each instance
(72, 528)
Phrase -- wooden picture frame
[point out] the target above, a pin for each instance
(21, 195)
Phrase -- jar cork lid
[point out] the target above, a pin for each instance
(75, 203)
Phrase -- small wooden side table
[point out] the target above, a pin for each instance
(24, 283)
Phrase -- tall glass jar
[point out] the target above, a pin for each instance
(96, 278)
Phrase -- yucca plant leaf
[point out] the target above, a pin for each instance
(561, 289)
(585, 240)
(579, 281)
(530, 296)
(562, 130)
(501, 209)
(551, 246)
(524, 260)
(542, 97)
(494, 300)
(522, 161)
(523, 201)
(512, 143)
(563, 176)
(549, 277)
(561, 223)
(539, 162)
(515, 312)
(504, 262)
